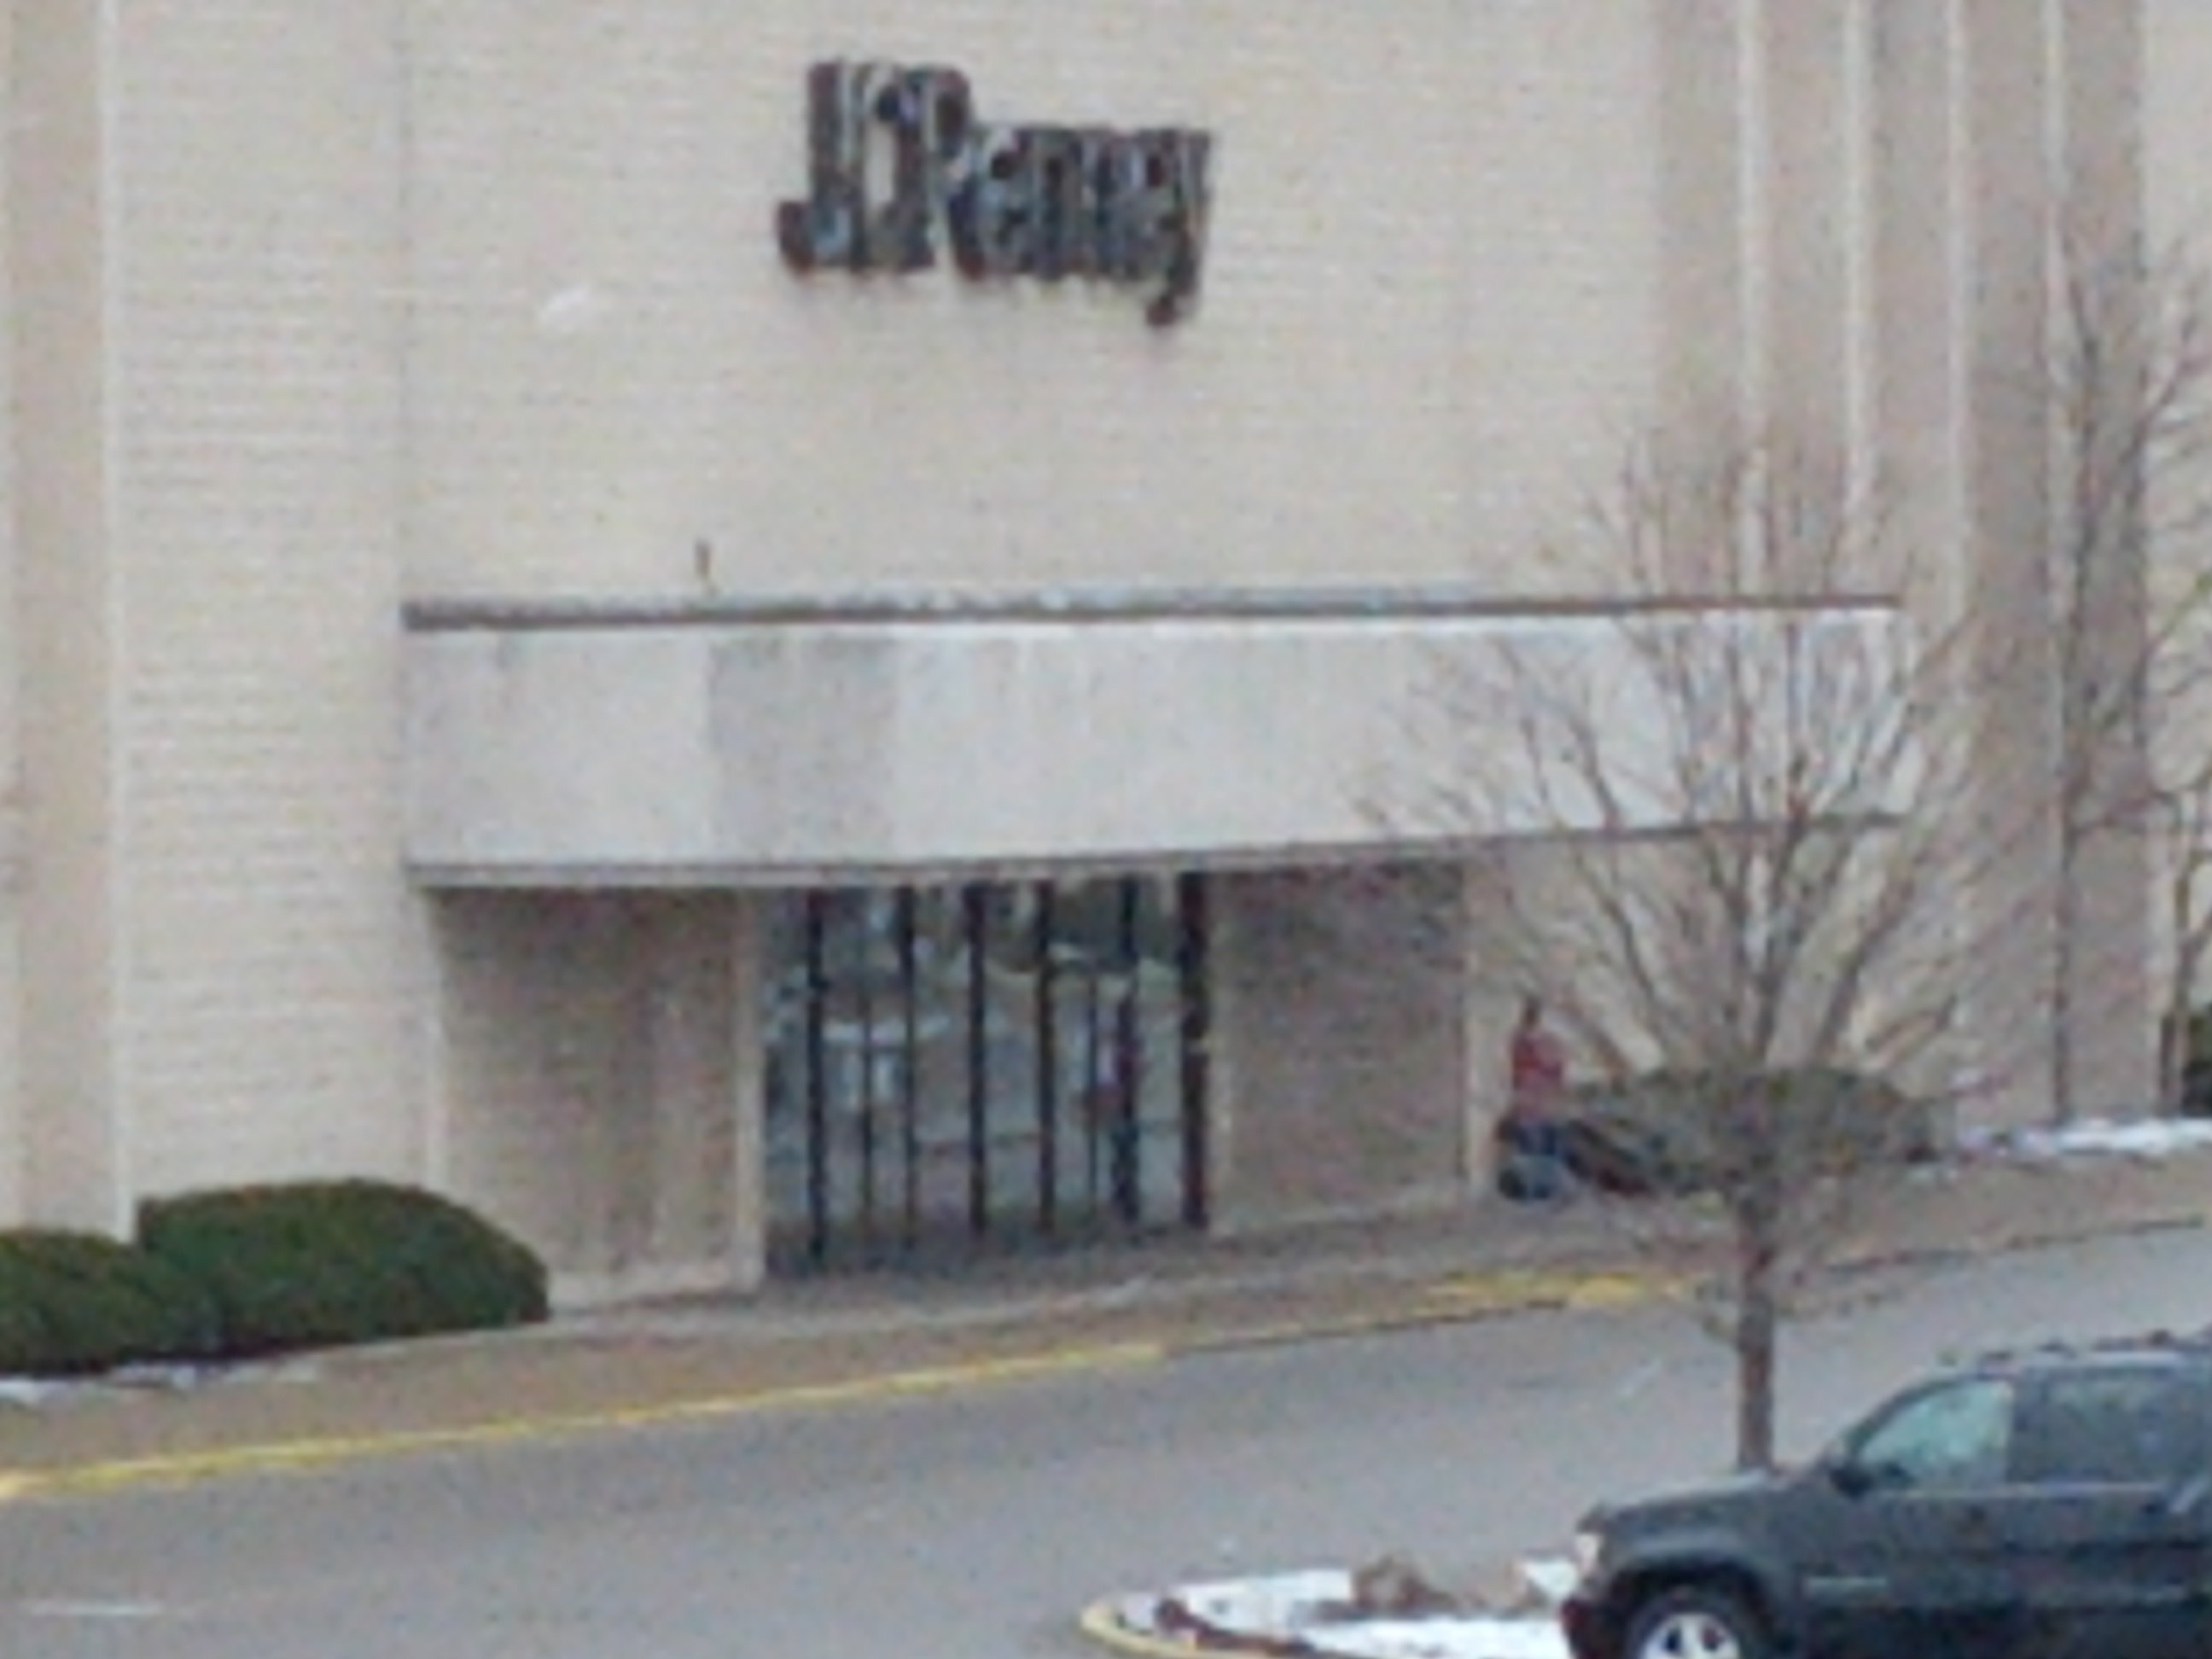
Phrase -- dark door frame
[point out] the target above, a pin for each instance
(1084, 947)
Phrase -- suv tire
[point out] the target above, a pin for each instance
(1696, 1621)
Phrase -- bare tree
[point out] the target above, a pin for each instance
(1734, 833)
(2130, 400)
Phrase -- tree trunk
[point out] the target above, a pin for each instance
(2173, 1034)
(1758, 1324)
(2066, 919)
(2174, 1048)
(2172, 1056)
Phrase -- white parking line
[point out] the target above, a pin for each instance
(117, 1610)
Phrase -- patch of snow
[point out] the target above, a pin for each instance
(166, 1378)
(30, 1393)
(1478, 1636)
(1279, 1605)
(2148, 1138)
(40, 1393)
(1311, 1606)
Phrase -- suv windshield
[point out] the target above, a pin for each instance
(1954, 1436)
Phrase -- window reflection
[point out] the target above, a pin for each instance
(988, 1060)
(1955, 1437)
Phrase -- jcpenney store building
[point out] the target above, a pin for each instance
(759, 635)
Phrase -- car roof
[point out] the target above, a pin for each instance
(2157, 1350)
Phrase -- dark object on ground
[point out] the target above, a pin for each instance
(1394, 1587)
(1175, 1619)
(73, 1304)
(1532, 1177)
(1532, 1163)
(2057, 1502)
(1676, 1133)
(2194, 1039)
(321, 1264)
(2196, 1088)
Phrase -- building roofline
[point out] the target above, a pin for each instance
(1101, 604)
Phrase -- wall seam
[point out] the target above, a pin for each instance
(122, 1072)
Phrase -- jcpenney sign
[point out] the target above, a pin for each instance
(901, 169)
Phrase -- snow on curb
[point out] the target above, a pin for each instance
(1314, 1613)
(38, 1394)
(2151, 1139)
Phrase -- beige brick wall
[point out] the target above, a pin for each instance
(1429, 303)
(57, 200)
(1342, 1069)
(596, 1053)
(2177, 137)
(264, 948)
(2177, 123)
(13, 831)
(2111, 990)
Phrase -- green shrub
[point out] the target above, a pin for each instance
(76, 1302)
(322, 1264)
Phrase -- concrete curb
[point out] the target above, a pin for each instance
(1415, 1302)
(191, 1468)
(1458, 1299)
(1443, 1300)
(1933, 1259)
(1101, 1625)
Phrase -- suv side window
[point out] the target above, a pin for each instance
(2118, 1427)
(1956, 1436)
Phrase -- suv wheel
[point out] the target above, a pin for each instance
(1695, 1622)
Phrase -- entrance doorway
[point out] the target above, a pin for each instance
(985, 1065)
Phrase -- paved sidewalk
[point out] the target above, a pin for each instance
(840, 1341)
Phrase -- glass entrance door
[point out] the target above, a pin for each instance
(986, 1064)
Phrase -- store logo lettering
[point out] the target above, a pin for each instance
(900, 168)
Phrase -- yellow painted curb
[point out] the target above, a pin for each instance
(1473, 1296)
(287, 1456)
(1536, 1289)
(1098, 1622)
(1628, 1290)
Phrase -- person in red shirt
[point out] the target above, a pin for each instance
(1530, 1131)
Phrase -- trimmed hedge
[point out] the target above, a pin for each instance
(73, 1303)
(328, 1263)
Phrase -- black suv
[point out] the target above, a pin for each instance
(2028, 1506)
